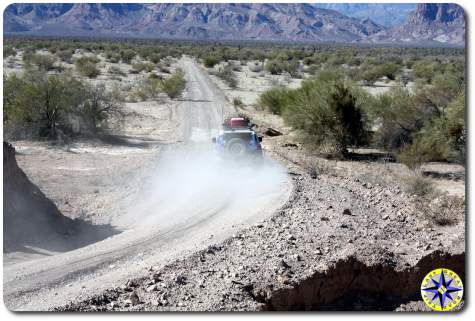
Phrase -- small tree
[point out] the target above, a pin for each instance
(327, 112)
(41, 98)
(98, 105)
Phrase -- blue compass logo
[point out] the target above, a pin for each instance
(442, 289)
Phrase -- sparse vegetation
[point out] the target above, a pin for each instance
(421, 118)
(143, 66)
(87, 66)
(228, 76)
(55, 103)
(418, 185)
(442, 210)
(174, 85)
(115, 70)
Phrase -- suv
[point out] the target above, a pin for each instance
(237, 140)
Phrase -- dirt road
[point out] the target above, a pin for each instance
(186, 204)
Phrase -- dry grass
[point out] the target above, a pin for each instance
(442, 210)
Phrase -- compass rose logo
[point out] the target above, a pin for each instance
(442, 289)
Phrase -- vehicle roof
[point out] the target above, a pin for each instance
(243, 130)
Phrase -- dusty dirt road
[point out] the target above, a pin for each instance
(186, 204)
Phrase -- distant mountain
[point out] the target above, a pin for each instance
(429, 23)
(441, 23)
(189, 21)
(385, 14)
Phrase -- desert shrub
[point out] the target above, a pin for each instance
(456, 131)
(127, 55)
(210, 60)
(442, 210)
(327, 111)
(98, 105)
(425, 69)
(65, 55)
(143, 66)
(115, 70)
(147, 87)
(87, 66)
(174, 85)
(275, 67)
(320, 167)
(9, 51)
(44, 62)
(397, 116)
(390, 70)
(293, 68)
(255, 67)
(228, 76)
(163, 69)
(354, 61)
(418, 185)
(370, 76)
(112, 57)
(237, 102)
(411, 156)
(275, 99)
(155, 58)
(36, 97)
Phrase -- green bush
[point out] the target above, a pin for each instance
(44, 62)
(275, 99)
(65, 55)
(174, 85)
(425, 69)
(211, 60)
(127, 55)
(114, 70)
(418, 185)
(87, 66)
(40, 98)
(327, 112)
(275, 67)
(390, 70)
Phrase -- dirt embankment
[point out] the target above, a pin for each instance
(32, 221)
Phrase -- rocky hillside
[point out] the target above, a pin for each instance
(432, 23)
(189, 21)
(386, 14)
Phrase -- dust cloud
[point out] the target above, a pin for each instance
(195, 185)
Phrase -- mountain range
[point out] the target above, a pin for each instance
(385, 14)
(228, 21)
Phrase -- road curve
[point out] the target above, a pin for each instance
(177, 219)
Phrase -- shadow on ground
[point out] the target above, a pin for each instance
(31, 220)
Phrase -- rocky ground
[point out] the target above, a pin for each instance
(339, 243)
